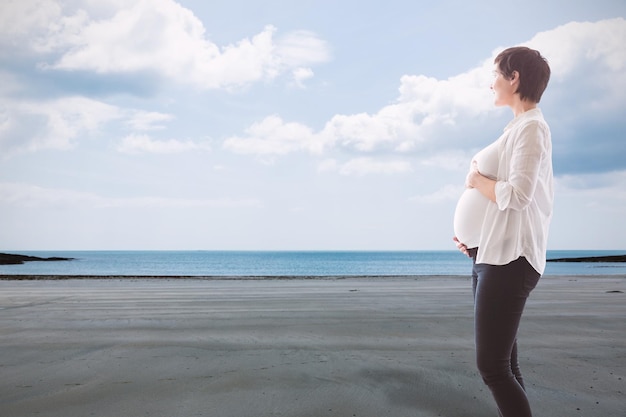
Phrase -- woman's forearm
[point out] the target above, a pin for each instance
(486, 186)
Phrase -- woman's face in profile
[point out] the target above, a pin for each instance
(503, 88)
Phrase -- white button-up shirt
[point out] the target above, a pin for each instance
(517, 224)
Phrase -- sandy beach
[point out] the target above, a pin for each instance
(341, 347)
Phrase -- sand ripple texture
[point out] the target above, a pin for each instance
(301, 348)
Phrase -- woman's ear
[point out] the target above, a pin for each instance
(514, 77)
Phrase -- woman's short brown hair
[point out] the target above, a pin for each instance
(533, 70)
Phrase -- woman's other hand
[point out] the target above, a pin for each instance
(461, 246)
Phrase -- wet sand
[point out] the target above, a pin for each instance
(344, 347)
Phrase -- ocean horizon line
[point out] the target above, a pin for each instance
(286, 250)
(271, 263)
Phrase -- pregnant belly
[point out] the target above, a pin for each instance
(468, 217)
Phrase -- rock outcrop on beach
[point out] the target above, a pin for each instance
(13, 259)
(613, 258)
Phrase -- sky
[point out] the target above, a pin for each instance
(292, 125)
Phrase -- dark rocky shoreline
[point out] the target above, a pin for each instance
(13, 259)
(613, 258)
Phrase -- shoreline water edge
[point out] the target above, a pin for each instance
(280, 264)
(26, 277)
(17, 259)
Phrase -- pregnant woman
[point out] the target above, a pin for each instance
(502, 222)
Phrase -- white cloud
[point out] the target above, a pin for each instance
(428, 116)
(423, 105)
(272, 136)
(300, 75)
(158, 36)
(29, 126)
(145, 144)
(24, 18)
(53, 124)
(364, 131)
(586, 94)
(453, 160)
(446, 193)
(301, 47)
(328, 165)
(599, 43)
(612, 182)
(431, 115)
(587, 60)
(147, 120)
(444, 100)
(364, 166)
(26, 195)
(598, 198)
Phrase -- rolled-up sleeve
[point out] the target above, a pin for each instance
(529, 148)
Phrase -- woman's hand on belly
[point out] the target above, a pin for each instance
(485, 185)
(461, 246)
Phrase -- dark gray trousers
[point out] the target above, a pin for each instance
(500, 293)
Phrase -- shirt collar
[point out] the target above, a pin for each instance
(530, 114)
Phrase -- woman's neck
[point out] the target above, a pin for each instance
(520, 106)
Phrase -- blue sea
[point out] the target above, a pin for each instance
(284, 263)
